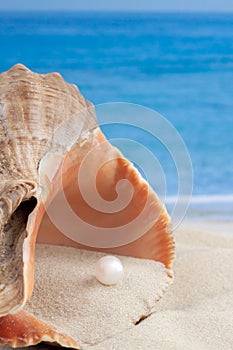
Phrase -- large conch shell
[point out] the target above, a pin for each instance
(32, 107)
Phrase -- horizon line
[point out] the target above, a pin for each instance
(171, 11)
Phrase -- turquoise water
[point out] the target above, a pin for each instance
(178, 64)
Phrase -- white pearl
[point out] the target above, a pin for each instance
(109, 270)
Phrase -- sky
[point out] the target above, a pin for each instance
(120, 5)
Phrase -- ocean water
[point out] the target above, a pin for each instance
(180, 65)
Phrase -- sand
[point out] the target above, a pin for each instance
(195, 313)
(68, 297)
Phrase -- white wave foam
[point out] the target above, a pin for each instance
(199, 199)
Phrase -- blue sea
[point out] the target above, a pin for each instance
(180, 65)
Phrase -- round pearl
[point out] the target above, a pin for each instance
(109, 270)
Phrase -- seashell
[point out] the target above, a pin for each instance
(39, 164)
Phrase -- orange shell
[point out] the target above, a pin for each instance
(156, 243)
(22, 330)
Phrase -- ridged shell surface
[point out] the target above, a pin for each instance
(32, 106)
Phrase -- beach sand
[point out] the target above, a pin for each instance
(196, 313)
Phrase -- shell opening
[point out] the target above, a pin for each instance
(12, 235)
